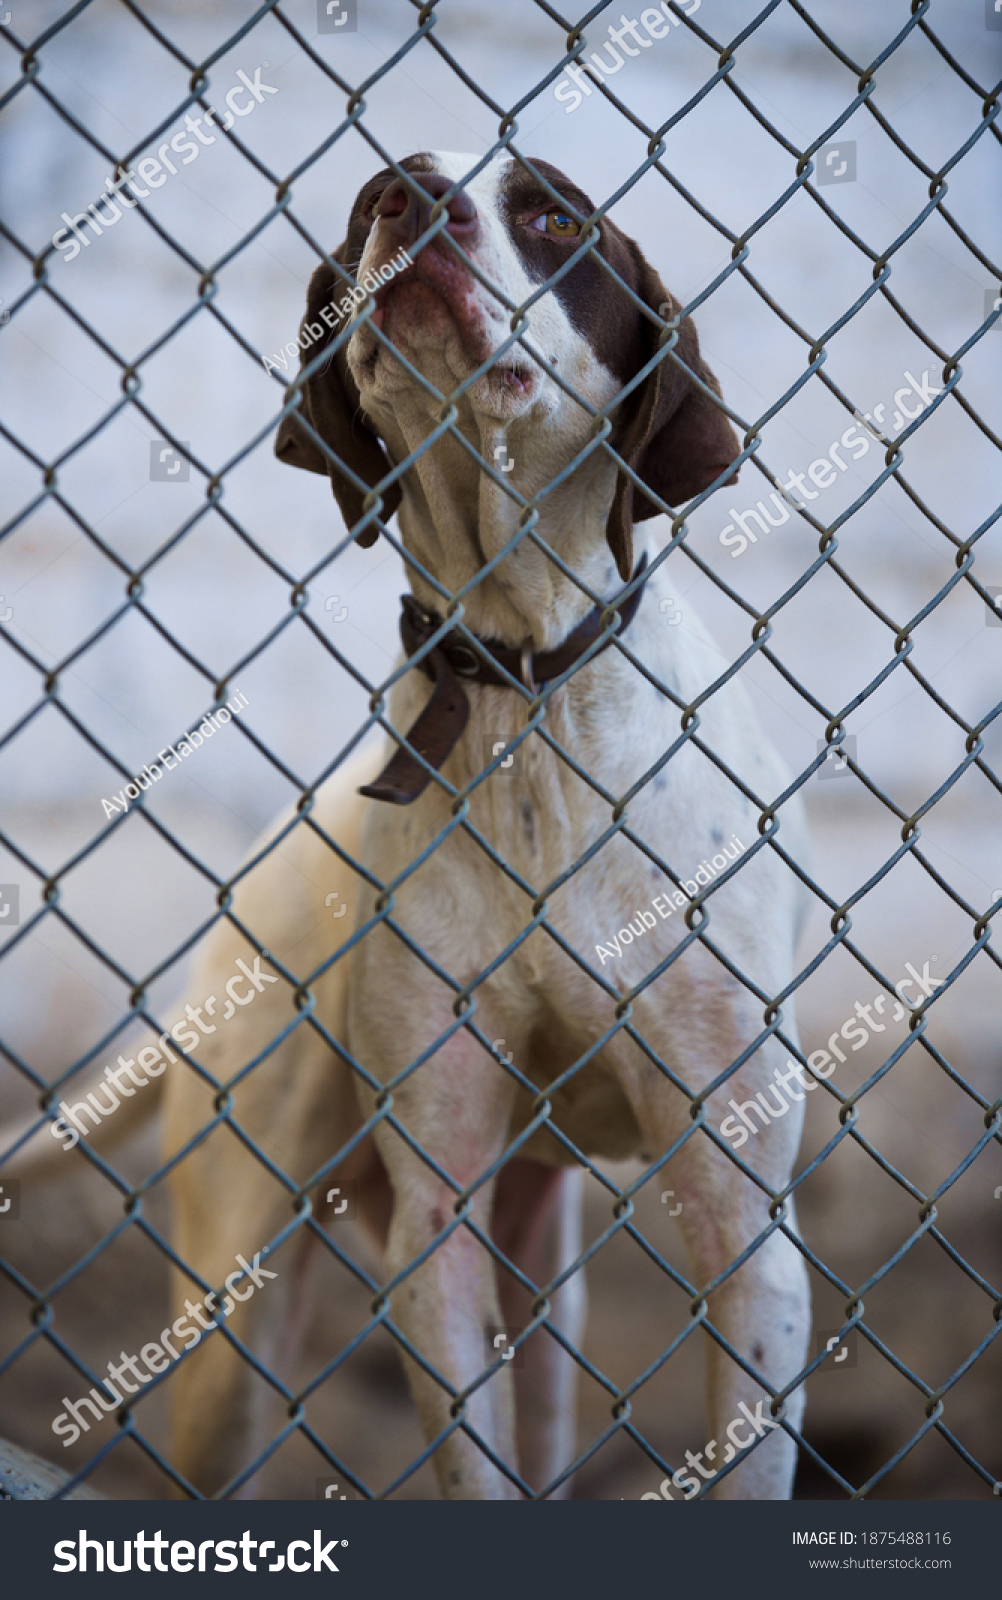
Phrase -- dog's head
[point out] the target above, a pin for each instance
(447, 323)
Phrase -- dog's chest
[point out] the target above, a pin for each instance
(546, 803)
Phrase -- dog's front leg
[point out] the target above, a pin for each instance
(764, 1312)
(762, 1309)
(456, 1108)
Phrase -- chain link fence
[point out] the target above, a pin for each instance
(878, 638)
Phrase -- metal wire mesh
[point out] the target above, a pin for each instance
(571, 40)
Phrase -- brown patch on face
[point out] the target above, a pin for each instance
(671, 435)
(596, 305)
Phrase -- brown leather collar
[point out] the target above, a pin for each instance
(438, 728)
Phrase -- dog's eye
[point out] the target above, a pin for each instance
(557, 223)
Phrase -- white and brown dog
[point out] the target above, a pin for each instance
(453, 927)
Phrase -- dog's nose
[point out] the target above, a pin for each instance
(406, 214)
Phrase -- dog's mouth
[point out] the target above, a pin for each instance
(426, 305)
(515, 375)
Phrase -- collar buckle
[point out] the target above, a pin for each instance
(463, 659)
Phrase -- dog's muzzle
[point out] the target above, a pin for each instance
(438, 728)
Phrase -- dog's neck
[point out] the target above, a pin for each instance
(454, 519)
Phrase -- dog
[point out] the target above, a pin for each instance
(479, 390)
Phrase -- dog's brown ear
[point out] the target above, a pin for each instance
(331, 402)
(675, 439)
